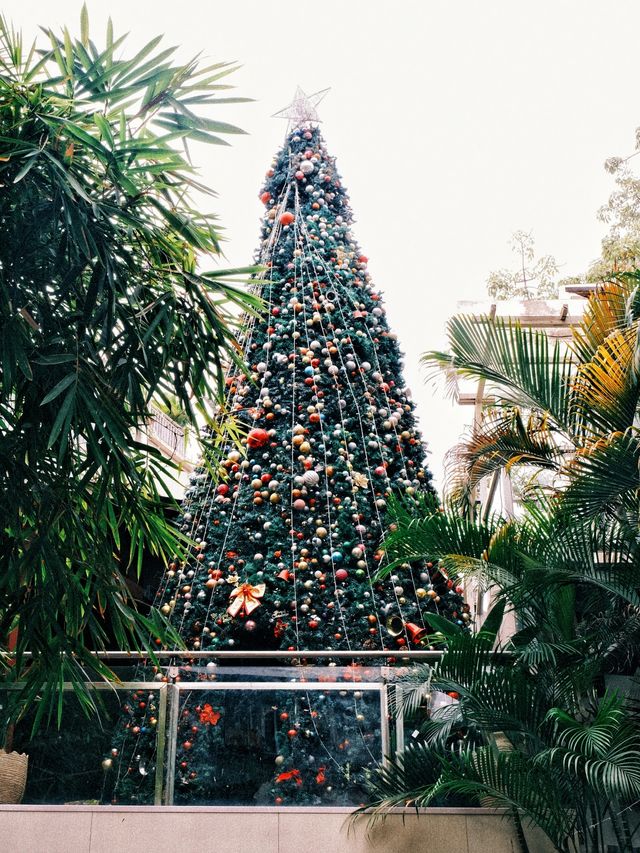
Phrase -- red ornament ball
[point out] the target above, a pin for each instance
(342, 575)
(257, 438)
(286, 218)
(265, 197)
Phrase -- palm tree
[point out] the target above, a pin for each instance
(103, 308)
(537, 741)
(566, 409)
(534, 731)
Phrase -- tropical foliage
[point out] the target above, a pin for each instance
(538, 741)
(102, 310)
(534, 729)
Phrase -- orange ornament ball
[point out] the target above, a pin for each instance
(286, 218)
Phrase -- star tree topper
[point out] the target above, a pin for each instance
(302, 110)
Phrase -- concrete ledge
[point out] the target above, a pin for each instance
(201, 829)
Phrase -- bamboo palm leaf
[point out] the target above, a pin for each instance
(508, 780)
(603, 752)
(101, 241)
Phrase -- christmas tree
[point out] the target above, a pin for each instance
(288, 531)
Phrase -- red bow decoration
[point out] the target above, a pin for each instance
(321, 776)
(245, 598)
(290, 774)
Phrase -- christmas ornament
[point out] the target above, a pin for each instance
(245, 598)
(257, 438)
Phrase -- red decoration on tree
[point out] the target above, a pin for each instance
(257, 438)
(209, 716)
(286, 218)
(290, 774)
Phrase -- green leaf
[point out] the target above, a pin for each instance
(56, 358)
(64, 383)
(493, 620)
(84, 25)
(63, 418)
(104, 127)
(26, 168)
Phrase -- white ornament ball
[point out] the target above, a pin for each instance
(310, 478)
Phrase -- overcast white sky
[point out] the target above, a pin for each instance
(454, 122)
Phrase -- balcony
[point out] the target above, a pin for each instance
(174, 442)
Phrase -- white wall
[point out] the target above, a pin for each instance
(107, 829)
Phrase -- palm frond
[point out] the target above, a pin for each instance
(607, 311)
(603, 752)
(606, 388)
(603, 474)
(503, 440)
(521, 366)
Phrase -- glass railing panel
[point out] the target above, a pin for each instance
(305, 746)
(80, 761)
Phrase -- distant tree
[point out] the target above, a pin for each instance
(621, 245)
(535, 278)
